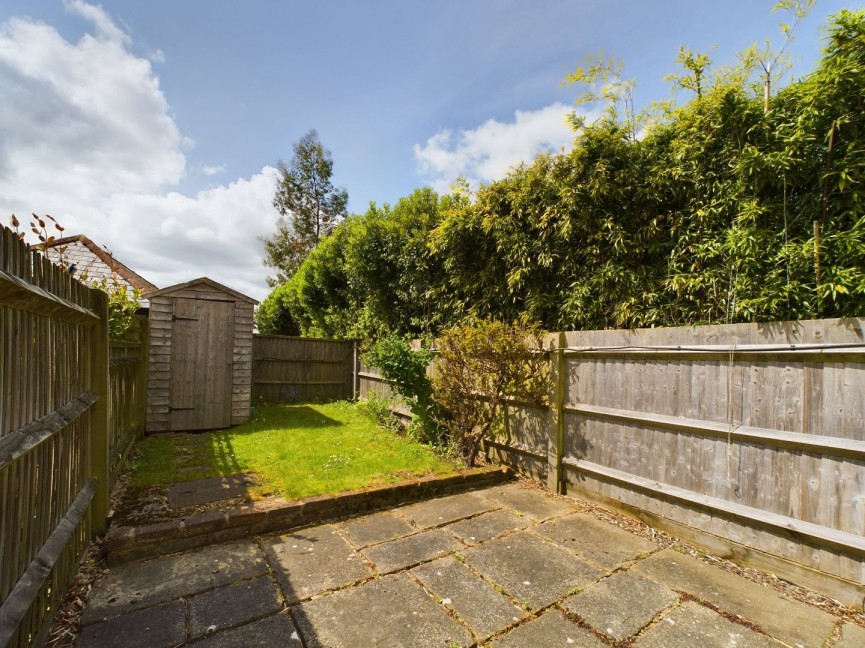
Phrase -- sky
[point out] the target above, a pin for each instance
(155, 127)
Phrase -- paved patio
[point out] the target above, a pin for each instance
(504, 567)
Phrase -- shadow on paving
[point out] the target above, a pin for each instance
(504, 567)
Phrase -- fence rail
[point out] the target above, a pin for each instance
(747, 439)
(63, 413)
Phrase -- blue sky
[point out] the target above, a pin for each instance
(153, 127)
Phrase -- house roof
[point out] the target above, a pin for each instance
(201, 280)
(98, 264)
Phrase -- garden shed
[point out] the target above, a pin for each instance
(200, 357)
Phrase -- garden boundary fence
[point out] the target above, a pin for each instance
(288, 369)
(745, 439)
(71, 404)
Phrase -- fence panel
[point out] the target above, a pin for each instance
(289, 369)
(51, 470)
(127, 367)
(748, 438)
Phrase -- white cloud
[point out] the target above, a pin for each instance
(86, 135)
(213, 170)
(487, 152)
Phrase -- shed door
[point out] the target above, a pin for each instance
(202, 345)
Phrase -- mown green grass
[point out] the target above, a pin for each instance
(295, 450)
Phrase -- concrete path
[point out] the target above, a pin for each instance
(503, 567)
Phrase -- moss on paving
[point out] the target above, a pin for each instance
(295, 450)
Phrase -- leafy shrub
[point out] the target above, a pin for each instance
(477, 370)
(407, 371)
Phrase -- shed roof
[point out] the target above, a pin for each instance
(195, 282)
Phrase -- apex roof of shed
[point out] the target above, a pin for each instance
(199, 281)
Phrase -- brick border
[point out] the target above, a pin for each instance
(126, 544)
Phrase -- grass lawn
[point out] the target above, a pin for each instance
(295, 450)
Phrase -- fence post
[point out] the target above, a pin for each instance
(354, 371)
(140, 411)
(99, 384)
(556, 445)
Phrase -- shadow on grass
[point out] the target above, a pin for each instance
(287, 416)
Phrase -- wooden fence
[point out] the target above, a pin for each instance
(746, 439)
(302, 370)
(127, 411)
(57, 433)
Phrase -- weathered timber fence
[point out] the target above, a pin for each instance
(302, 370)
(57, 433)
(127, 366)
(746, 439)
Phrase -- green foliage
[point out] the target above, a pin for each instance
(309, 207)
(379, 409)
(697, 214)
(478, 369)
(273, 316)
(123, 302)
(407, 371)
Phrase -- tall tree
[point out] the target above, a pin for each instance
(309, 207)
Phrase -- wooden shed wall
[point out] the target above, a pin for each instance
(159, 372)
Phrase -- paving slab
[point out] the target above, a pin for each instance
(485, 610)
(407, 552)
(792, 622)
(275, 631)
(233, 605)
(534, 504)
(388, 612)
(692, 625)
(141, 584)
(213, 489)
(162, 626)
(619, 606)
(552, 630)
(530, 569)
(852, 636)
(596, 541)
(442, 510)
(487, 526)
(313, 561)
(375, 528)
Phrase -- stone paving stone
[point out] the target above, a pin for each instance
(620, 605)
(693, 625)
(487, 526)
(445, 509)
(485, 610)
(312, 561)
(140, 584)
(275, 631)
(790, 621)
(532, 570)
(552, 630)
(532, 503)
(388, 612)
(852, 636)
(232, 605)
(162, 626)
(213, 489)
(375, 528)
(407, 552)
(595, 540)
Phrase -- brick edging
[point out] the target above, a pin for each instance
(125, 544)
